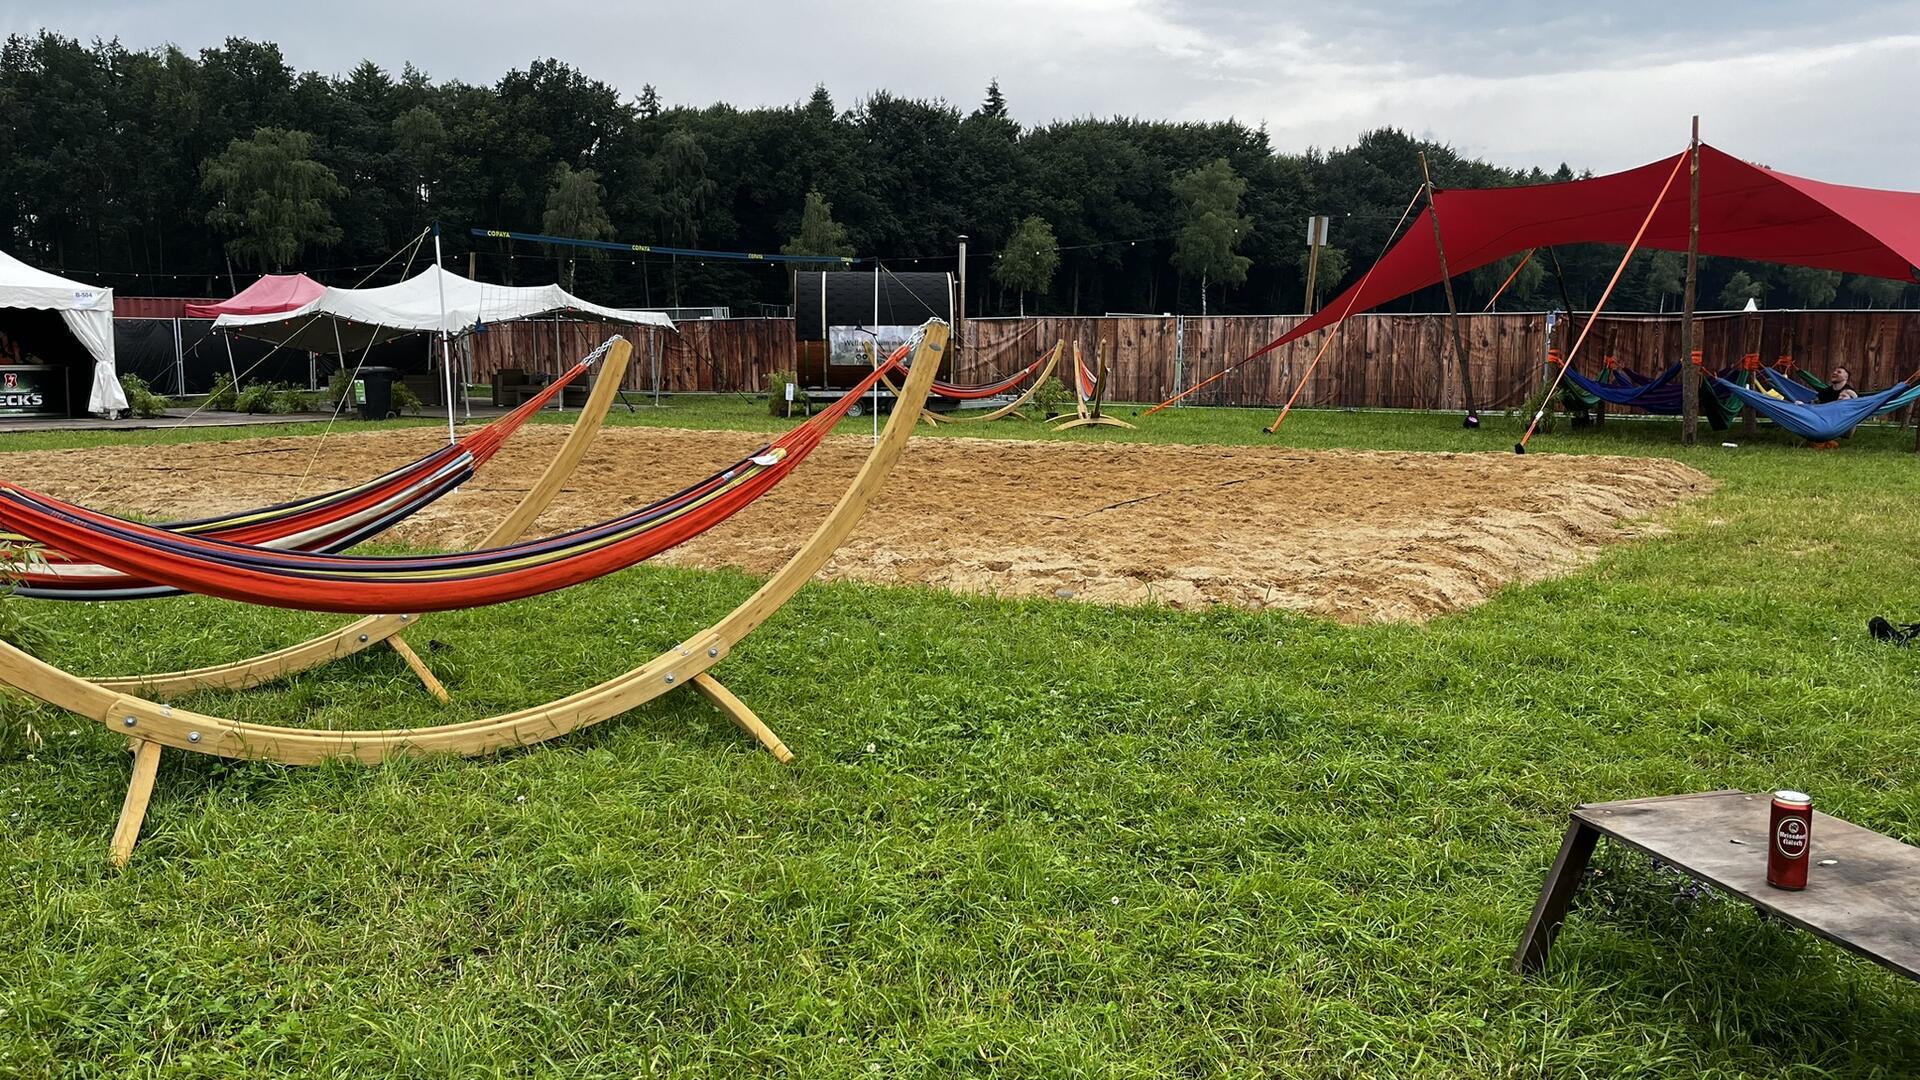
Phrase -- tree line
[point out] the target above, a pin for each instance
(164, 172)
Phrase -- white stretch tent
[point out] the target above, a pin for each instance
(363, 317)
(87, 312)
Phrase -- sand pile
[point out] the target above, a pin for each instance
(1358, 536)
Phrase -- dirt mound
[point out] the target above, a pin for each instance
(1358, 536)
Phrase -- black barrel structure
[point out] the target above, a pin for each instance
(824, 299)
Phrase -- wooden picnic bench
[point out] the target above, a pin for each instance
(1863, 889)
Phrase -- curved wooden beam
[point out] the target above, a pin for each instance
(368, 632)
(184, 729)
(1090, 416)
(1091, 421)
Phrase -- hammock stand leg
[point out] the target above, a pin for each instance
(133, 810)
(163, 725)
(420, 668)
(365, 633)
(1089, 414)
(737, 711)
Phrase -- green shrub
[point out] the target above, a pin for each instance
(256, 397)
(141, 399)
(1050, 397)
(288, 399)
(777, 384)
(225, 395)
(405, 400)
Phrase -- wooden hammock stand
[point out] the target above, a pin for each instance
(1011, 408)
(150, 724)
(1089, 410)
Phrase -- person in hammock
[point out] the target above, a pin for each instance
(1839, 387)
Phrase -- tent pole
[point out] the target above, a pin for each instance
(1750, 340)
(233, 370)
(446, 354)
(1566, 301)
(1689, 373)
(1453, 311)
(340, 351)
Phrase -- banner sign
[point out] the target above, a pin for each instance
(850, 345)
(33, 390)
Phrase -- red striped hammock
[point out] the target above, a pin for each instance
(377, 584)
(331, 522)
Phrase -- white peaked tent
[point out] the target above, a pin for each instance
(353, 319)
(87, 313)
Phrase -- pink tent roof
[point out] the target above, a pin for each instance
(270, 295)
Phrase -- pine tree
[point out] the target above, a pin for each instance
(996, 103)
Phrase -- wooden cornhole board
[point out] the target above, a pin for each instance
(1867, 901)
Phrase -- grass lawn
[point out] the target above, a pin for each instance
(1021, 838)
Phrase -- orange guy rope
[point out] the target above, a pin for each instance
(1340, 323)
(1502, 290)
(1217, 376)
(1594, 315)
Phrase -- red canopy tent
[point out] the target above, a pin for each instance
(1746, 211)
(270, 295)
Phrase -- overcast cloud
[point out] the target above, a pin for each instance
(1825, 90)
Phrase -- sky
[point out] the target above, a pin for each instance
(1824, 90)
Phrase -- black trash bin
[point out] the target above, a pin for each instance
(377, 403)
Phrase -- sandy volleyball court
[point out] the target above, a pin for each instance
(1352, 535)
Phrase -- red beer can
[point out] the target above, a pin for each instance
(1789, 840)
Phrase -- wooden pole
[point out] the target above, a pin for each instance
(1689, 374)
(1313, 263)
(1453, 311)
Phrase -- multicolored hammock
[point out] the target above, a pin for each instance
(375, 584)
(331, 522)
(1659, 395)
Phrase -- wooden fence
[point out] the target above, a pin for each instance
(1375, 361)
(705, 356)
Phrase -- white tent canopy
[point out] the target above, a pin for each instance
(87, 312)
(363, 317)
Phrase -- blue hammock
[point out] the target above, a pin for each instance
(1815, 422)
(1794, 389)
(1628, 388)
(1797, 391)
(1659, 395)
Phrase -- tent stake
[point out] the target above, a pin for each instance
(1453, 311)
(1690, 374)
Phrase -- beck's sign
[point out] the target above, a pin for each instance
(33, 390)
